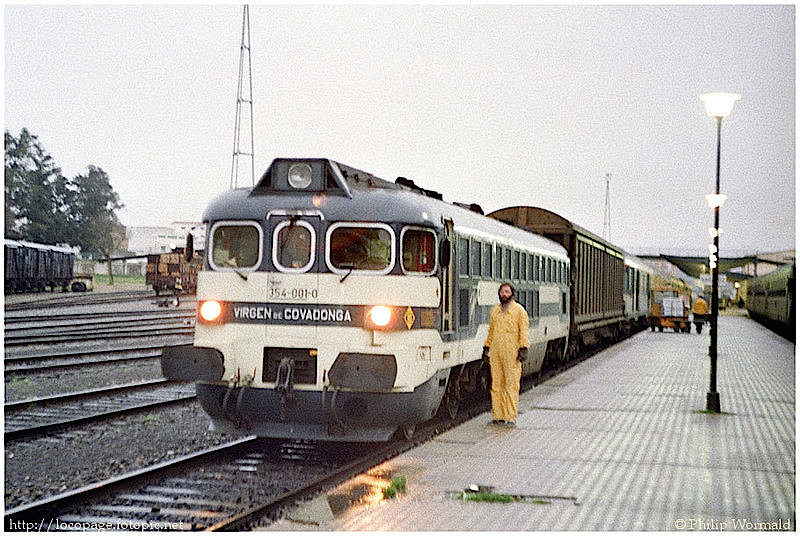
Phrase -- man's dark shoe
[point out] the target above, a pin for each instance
(498, 421)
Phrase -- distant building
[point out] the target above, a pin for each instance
(146, 240)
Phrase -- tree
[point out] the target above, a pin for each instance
(97, 229)
(35, 192)
(43, 206)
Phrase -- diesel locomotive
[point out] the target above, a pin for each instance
(334, 305)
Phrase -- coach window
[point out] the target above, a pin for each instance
(293, 246)
(487, 260)
(498, 263)
(476, 258)
(418, 251)
(523, 275)
(507, 264)
(360, 247)
(463, 256)
(522, 298)
(235, 245)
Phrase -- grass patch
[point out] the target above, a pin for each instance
(398, 485)
(149, 418)
(487, 496)
(102, 279)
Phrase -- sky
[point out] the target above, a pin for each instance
(499, 105)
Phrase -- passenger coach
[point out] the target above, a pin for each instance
(336, 305)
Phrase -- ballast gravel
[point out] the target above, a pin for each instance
(41, 467)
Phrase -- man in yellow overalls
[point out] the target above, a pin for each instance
(506, 347)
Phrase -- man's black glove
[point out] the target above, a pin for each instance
(522, 356)
(485, 355)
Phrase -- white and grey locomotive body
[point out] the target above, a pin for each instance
(334, 305)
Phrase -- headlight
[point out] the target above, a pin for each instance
(380, 315)
(299, 176)
(210, 311)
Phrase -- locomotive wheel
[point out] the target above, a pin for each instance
(451, 398)
(407, 431)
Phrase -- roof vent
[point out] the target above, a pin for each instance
(408, 183)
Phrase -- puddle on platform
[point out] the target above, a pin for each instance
(362, 490)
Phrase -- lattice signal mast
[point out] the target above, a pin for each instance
(244, 110)
(607, 216)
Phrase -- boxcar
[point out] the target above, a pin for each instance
(34, 267)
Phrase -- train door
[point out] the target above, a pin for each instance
(448, 281)
(297, 255)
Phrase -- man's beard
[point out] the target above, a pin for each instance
(505, 300)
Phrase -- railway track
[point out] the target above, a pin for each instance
(35, 416)
(91, 318)
(27, 329)
(49, 362)
(107, 333)
(34, 301)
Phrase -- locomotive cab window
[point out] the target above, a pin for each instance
(418, 251)
(364, 247)
(235, 245)
(293, 246)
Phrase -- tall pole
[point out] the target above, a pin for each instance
(244, 96)
(718, 105)
(712, 398)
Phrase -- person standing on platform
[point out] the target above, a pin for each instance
(506, 348)
(699, 313)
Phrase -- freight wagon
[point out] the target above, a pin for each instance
(173, 272)
(32, 267)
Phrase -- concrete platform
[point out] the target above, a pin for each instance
(619, 442)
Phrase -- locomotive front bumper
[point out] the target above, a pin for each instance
(187, 362)
(329, 415)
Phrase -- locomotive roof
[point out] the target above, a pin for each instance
(343, 193)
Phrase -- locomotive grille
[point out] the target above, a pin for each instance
(305, 364)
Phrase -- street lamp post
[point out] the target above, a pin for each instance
(718, 105)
